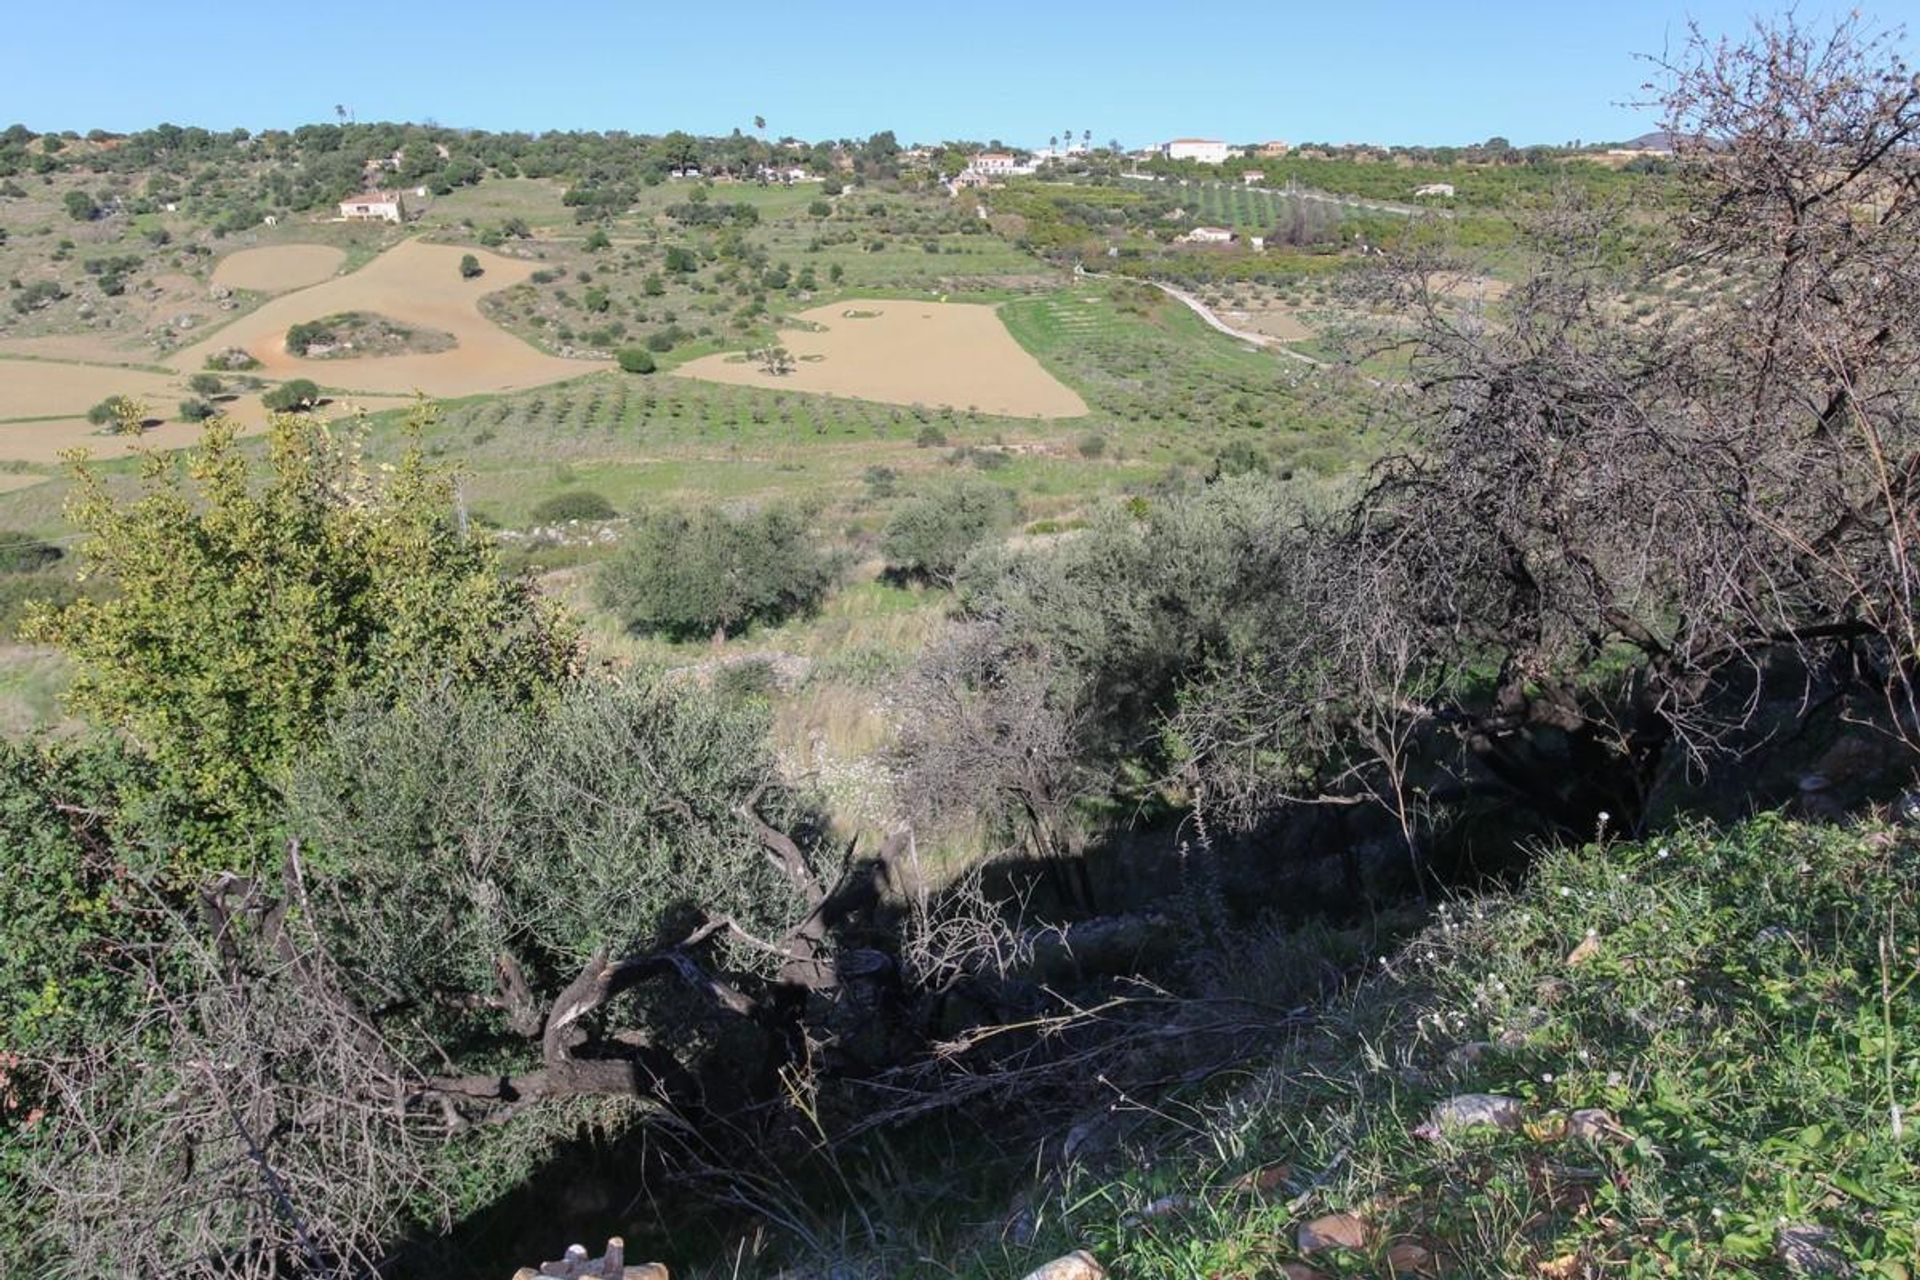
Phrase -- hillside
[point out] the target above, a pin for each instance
(1693, 1055)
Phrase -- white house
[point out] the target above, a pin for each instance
(994, 164)
(1208, 235)
(1253, 177)
(1434, 189)
(1205, 150)
(374, 206)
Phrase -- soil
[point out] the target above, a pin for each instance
(940, 354)
(419, 285)
(278, 268)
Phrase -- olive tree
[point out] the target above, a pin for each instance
(712, 572)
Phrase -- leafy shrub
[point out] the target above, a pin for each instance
(930, 437)
(292, 397)
(23, 553)
(194, 409)
(575, 504)
(931, 534)
(710, 572)
(636, 360)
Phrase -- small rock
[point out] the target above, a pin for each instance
(1808, 1250)
(1471, 1111)
(1164, 1207)
(1591, 1124)
(1408, 1258)
(1589, 948)
(1333, 1231)
(1078, 1265)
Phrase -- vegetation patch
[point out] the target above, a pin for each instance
(353, 335)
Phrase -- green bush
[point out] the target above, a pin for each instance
(636, 360)
(470, 267)
(575, 504)
(930, 535)
(194, 409)
(292, 397)
(205, 384)
(23, 553)
(709, 572)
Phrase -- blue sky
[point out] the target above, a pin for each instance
(1411, 71)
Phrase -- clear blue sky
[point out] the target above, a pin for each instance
(1411, 71)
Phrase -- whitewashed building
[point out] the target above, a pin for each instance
(374, 206)
(1208, 235)
(1205, 150)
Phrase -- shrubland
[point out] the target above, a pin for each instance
(372, 931)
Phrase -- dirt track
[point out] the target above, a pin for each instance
(947, 354)
(415, 283)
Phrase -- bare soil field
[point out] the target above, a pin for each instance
(415, 283)
(87, 348)
(44, 441)
(939, 354)
(45, 389)
(277, 268)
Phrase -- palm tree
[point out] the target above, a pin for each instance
(1053, 143)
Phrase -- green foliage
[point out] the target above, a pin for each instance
(292, 396)
(597, 239)
(205, 384)
(682, 260)
(242, 615)
(113, 410)
(448, 831)
(24, 553)
(1745, 1021)
(80, 206)
(688, 574)
(575, 504)
(931, 534)
(635, 360)
(194, 409)
(307, 334)
(470, 267)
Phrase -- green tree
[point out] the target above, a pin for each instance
(292, 396)
(240, 614)
(469, 266)
(682, 260)
(709, 572)
(81, 207)
(635, 360)
(930, 535)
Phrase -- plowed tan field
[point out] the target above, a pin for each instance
(939, 354)
(277, 268)
(415, 283)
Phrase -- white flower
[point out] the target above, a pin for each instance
(1546, 1077)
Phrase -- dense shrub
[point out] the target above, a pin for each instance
(575, 504)
(931, 534)
(636, 360)
(710, 572)
(23, 553)
(293, 396)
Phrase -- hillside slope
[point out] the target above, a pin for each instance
(1697, 1055)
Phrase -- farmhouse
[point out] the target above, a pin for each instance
(1434, 189)
(1208, 235)
(1253, 177)
(1274, 150)
(374, 206)
(1205, 150)
(994, 164)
